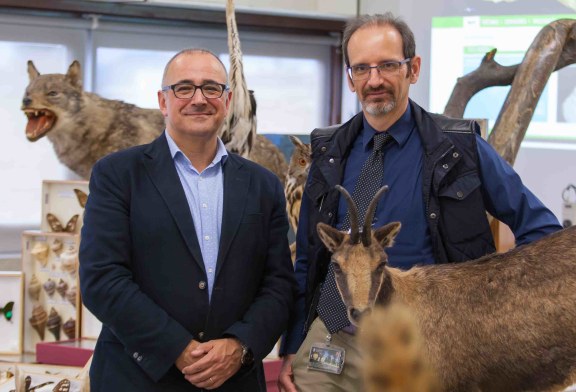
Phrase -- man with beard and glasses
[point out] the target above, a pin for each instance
(443, 178)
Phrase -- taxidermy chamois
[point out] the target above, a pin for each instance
(504, 322)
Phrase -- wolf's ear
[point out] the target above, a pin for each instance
(32, 71)
(74, 75)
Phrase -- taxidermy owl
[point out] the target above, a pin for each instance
(296, 179)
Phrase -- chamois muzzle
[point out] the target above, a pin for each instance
(355, 315)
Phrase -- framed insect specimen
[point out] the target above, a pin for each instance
(51, 289)
(63, 205)
(11, 312)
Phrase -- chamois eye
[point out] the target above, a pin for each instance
(52, 93)
(380, 267)
(336, 267)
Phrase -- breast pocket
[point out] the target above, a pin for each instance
(461, 188)
(462, 209)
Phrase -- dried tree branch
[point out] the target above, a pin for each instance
(553, 48)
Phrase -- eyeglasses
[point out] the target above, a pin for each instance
(362, 71)
(7, 310)
(187, 90)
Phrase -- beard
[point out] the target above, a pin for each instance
(379, 107)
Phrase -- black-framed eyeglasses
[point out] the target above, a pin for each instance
(362, 71)
(187, 90)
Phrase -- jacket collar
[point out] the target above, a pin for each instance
(433, 139)
(159, 164)
(160, 167)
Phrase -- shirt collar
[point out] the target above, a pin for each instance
(221, 153)
(400, 130)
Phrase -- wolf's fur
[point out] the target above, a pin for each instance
(83, 127)
(505, 322)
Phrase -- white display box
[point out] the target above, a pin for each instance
(51, 288)
(12, 305)
(63, 205)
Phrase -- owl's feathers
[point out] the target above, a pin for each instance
(296, 179)
(239, 130)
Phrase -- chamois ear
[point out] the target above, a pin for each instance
(74, 75)
(385, 235)
(330, 236)
(32, 71)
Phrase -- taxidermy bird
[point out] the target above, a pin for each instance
(239, 130)
(296, 179)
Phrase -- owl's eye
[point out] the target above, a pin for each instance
(302, 162)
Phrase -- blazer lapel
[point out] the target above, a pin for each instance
(160, 167)
(236, 184)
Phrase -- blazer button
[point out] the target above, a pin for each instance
(323, 149)
(202, 285)
(433, 215)
(445, 166)
(331, 160)
(135, 355)
(139, 359)
(200, 335)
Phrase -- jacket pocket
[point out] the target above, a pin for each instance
(462, 212)
(462, 187)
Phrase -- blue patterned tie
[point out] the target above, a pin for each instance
(331, 309)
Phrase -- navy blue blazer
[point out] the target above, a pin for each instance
(142, 274)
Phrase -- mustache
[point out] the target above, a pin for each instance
(379, 89)
(197, 109)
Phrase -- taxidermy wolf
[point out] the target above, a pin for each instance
(82, 126)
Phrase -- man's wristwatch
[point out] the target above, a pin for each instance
(247, 355)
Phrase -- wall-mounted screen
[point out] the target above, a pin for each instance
(457, 48)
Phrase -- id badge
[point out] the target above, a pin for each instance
(326, 358)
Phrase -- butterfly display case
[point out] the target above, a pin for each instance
(7, 377)
(51, 287)
(11, 312)
(63, 205)
(40, 377)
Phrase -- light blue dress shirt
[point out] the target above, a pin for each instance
(205, 194)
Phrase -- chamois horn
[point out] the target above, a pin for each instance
(367, 228)
(352, 215)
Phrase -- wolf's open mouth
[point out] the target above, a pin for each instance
(39, 123)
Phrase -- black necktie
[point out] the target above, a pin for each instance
(331, 309)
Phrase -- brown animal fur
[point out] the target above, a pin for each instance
(294, 187)
(505, 322)
(393, 350)
(239, 131)
(82, 126)
(296, 179)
